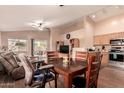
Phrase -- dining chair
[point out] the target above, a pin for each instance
(91, 79)
(33, 79)
(81, 56)
(52, 55)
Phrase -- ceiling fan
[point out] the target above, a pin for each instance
(40, 25)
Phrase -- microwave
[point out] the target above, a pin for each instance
(117, 42)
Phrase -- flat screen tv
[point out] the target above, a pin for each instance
(64, 49)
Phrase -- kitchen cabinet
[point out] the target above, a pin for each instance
(101, 40)
(105, 39)
(105, 59)
(97, 40)
(74, 43)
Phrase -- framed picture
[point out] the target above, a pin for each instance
(68, 36)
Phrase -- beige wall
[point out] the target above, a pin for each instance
(28, 35)
(111, 25)
(74, 28)
(59, 33)
(54, 36)
(88, 32)
(84, 33)
(0, 38)
(74, 34)
(80, 28)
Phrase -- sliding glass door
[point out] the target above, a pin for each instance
(39, 47)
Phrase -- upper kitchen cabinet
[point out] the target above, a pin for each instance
(105, 39)
(101, 40)
(96, 40)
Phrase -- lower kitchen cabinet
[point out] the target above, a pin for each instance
(105, 59)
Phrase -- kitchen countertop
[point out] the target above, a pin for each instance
(105, 52)
(97, 51)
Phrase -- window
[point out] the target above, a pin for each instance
(39, 47)
(17, 45)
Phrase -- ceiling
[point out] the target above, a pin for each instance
(17, 17)
(107, 12)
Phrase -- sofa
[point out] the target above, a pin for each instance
(12, 65)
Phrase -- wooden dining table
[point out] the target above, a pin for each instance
(69, 69)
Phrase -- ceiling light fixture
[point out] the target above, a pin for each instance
(37, 25)
(40, 25)
(93, 16)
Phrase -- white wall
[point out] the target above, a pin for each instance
(111, 25)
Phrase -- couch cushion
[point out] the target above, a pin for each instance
(9, 67)
(10, 58)
(18, 73)
(17, 58)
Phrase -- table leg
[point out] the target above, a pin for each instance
(68, 81)
(55, 80)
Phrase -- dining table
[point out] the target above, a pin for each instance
(69, 69)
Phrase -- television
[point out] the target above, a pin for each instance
(64, 49)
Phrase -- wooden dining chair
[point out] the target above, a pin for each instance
(81, 56)
(94, 63)
(91, 79)
(52, 55)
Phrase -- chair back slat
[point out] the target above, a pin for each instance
(80, 56)
(52, 55)
(94, 66)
